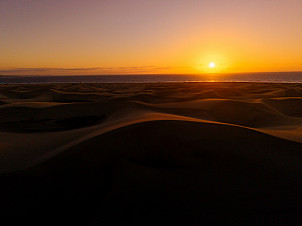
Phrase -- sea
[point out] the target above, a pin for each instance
(267, 77)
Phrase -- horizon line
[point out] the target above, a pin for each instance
(157, 74)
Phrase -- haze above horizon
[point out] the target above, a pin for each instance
(77, 37)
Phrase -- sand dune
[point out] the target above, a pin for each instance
(179, 153)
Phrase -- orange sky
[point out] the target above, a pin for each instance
(136, 36)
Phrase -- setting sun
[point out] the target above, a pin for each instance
(212, 65)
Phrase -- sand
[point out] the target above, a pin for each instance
(152, 154)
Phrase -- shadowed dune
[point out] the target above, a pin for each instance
(291, 106)
(179, 153)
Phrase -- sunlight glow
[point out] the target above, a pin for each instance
(212, 65)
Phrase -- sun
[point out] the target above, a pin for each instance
(212, 65)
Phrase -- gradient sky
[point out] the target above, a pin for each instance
(59, 37)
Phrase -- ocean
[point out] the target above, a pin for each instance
(270, 77)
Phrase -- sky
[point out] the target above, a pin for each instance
(78, 37)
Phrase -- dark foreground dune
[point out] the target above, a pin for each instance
(151, 154)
